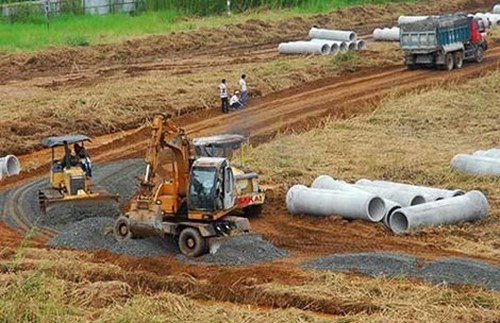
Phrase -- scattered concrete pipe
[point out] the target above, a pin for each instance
(349, 205)
(410, 19)
(400, 196)
(476, 165)
(304, 47)
(329, 183)
(334, 45)
(386, 34)
(496, 8)
(491, 153)
(469, 207)
(340, 35)
(433, 193)
(361, 44)
(9, 165)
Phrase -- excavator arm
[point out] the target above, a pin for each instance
(165, 134)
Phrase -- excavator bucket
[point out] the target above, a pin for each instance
(58, 210)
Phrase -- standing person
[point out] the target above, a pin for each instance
(243, 89)
(223, 96)
(235, 102)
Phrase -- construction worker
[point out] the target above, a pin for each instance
(243, 89)
(83, 158)
(235, 102)
(223, 96)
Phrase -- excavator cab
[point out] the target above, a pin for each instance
(69, 176)
(250, 196)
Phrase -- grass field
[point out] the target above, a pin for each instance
(78, 30)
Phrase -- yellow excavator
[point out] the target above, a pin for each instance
(69, 180)
(193, 205)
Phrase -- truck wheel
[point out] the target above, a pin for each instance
(448, 62)
(479, 55)
(459, 59)
(191, 243)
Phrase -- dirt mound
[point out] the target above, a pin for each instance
(237, 251)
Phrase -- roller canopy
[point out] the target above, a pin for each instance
(59, 141)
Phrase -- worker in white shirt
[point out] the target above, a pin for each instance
(223, 96)
(235, 102)
(243, 89)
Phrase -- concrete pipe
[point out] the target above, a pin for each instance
(329, 183)
(431, 192)
(9, 165)
(410, 19)
(304, 47)
(386, 34)
(476, 165)
(390, 208)
(398, 195)
(340, 35)
(349, 205)
(334, 45)
(491, 153)
(493, 18)
(469, 207)
(361, 44)
(496, 8)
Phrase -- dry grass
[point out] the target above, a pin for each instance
(409, 139)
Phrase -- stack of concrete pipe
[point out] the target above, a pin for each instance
(490, 19)
(398, 206)
(480, 163)
(9, 166)
(324, 42)
(386, 34)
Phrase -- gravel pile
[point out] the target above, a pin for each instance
(461, 271)
(60, 215)
(371, 264)
(450, 270)
(238, 250)
(97, 233)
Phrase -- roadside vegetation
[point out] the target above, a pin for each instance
(33, 31)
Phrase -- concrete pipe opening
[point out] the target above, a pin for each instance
(9, 166)
(398, 222)
(418, 199)
(351, 46)
(376, 209)
(334, 49)
(360, 44)
(388, 214)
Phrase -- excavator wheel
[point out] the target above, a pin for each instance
(252, 210)
(191, 243)
(122, 229)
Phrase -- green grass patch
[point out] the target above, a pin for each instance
(33, 33)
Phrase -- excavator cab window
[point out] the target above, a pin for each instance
(202, 188)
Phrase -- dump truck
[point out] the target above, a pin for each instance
(445, 42)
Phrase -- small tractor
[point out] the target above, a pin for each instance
(69, 181)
